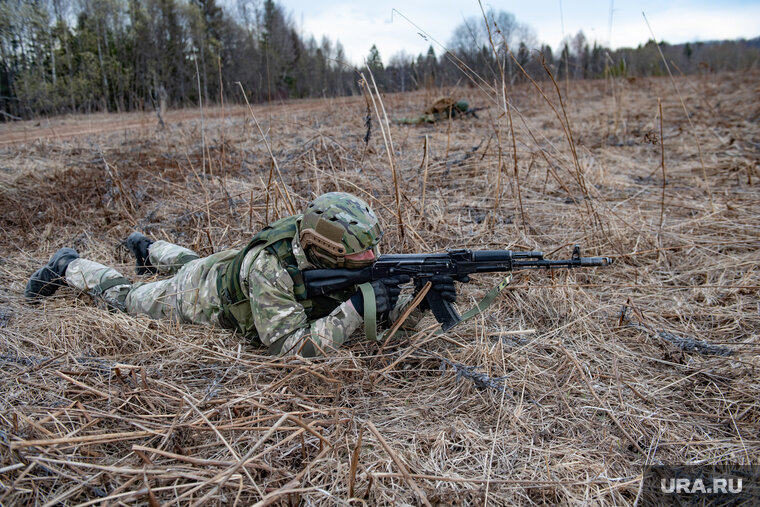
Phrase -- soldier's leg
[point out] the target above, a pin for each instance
(100, 280)
(168, 258)
(157, 256)
(160, 299)
(190, 296)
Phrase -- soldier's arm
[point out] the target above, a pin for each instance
(281, 319)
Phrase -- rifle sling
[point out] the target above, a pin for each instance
(475, 310)
(370, 311)
(487, 299)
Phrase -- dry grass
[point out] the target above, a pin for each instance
(103, 407)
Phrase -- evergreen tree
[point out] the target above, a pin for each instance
(60, 56)
(375, 65)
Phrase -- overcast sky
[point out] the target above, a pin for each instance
(359, 24)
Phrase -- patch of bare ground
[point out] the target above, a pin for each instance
(653, 360)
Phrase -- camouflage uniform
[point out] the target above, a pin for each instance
(191, 295)
(441, 109)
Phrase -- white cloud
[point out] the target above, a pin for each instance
(359, 25)
(684, 25)
(673, 21)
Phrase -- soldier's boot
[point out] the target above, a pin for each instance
(46, 280)
(138, 244)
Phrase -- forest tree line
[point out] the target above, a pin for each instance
(61, 56)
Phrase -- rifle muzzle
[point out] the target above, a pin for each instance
(596, 261)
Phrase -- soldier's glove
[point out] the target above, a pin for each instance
(386, 291)
(443, 284)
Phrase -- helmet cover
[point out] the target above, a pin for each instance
(337, 224)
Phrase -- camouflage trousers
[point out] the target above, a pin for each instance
(189, 296)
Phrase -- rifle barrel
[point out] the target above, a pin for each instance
(563, 263)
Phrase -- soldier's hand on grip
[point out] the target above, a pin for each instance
(386, 292)
(443, 284)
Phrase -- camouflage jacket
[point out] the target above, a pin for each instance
(282, 322)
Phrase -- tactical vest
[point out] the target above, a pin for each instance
(277, 239)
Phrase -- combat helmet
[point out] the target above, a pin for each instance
(337, 224)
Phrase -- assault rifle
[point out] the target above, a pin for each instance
(455, 263)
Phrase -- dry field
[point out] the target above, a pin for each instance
(560, 392)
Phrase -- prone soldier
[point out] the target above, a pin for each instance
(259, 290)
(442, 109)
